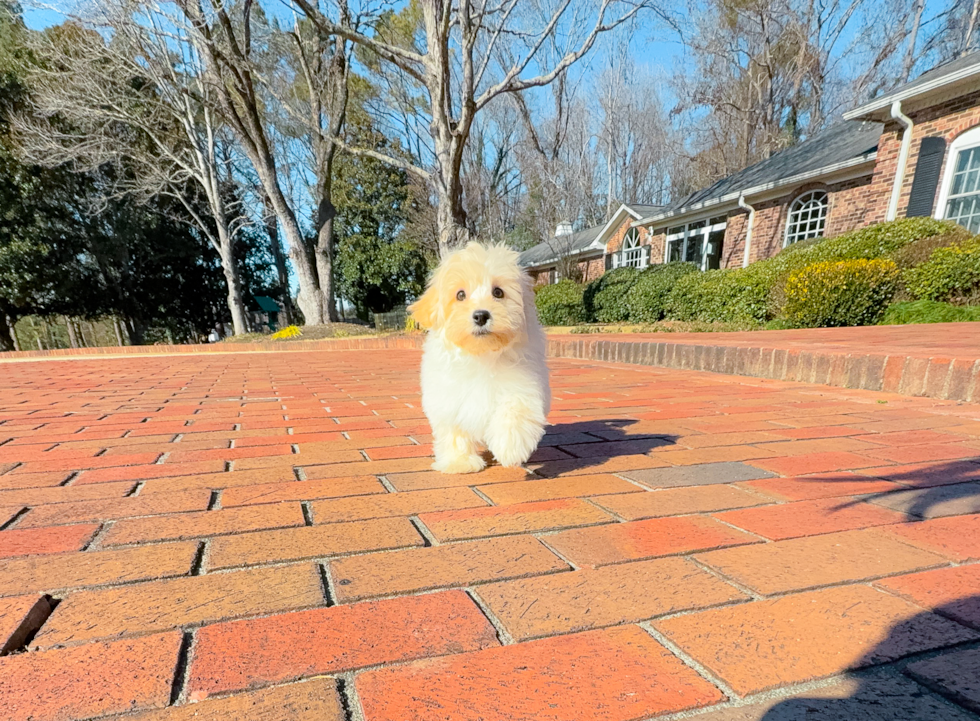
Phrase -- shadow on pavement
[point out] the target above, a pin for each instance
(590, 443)
(893, 692)
(941, 489)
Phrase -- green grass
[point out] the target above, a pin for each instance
(929, 311)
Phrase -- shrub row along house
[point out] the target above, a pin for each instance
(912, 152)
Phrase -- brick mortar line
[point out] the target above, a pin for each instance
(503, 635)
(688, 660)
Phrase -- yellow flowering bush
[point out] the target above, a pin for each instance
(840, 292)
(290, 331)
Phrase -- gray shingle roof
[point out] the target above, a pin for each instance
(644, 209)
(953, 71)
(550, 250)
(845, 141)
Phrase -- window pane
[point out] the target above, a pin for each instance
(807, 217)
(674, 248)
(693, 254)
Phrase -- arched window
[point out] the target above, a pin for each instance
(960, 198)
(632, 251)
(807, 217)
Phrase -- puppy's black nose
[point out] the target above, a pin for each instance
(480, 317)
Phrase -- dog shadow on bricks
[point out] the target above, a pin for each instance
(936, 490)
(926, 669)
(581, 445)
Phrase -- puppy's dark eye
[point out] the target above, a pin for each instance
(461, 295)
(498, 293)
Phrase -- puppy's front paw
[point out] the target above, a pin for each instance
(513, 442)
(460, 464)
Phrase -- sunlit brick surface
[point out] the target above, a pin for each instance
(260, 536)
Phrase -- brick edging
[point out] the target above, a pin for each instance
(934, 377)
(945, 378)
(355, 343)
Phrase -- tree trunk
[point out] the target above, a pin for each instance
(451, 219)
(324, 254)
(117, 326)
(235, 303)
(72, 338)
(135, 329)
(282, 272)
(913, 36)
(971, 28)
(308, 298)
(8, 339)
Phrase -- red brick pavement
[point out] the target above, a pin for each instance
(259, 536)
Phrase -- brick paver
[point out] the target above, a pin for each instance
(260, 536)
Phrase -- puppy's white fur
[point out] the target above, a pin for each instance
(483, 387)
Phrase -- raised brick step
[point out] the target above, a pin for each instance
(940, 360)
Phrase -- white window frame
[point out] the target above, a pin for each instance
(793, 217)
(632, 254)
(963, 142)
(688, 235)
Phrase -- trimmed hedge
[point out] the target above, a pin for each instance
(929, 311)
(560, 303)
(839, 293)
(647, 300)
(951, 274)
(762, 294)
(605, 297)
(730, 296)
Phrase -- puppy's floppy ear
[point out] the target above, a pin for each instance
(426, 309)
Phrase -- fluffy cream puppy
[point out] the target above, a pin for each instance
(484, 378)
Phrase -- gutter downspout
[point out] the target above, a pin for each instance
(748, 232)
(903, 157)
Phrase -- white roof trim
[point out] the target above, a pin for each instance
(885, 101)
(579, 254)
(599, 243)
(731, 199)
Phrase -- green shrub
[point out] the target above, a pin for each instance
(699, 296)
(882, 240)
(919, 251)
(736, 295)
(929, 311)
(560, 303)
(839, 293)
(605, 297)
(951, 274)
(646, 301)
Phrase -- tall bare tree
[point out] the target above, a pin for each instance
(226, 37)
(140, 101)
(468, 53)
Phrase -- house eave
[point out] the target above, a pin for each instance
(585, 254)
(845, 170)
(879, 108)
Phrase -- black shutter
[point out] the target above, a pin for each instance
(608, 261)
(927, 168)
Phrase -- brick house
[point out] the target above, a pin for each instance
(912, 152)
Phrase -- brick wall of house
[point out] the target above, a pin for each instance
(849, 203)
(946, 120)
(592, 269)
(733, 251)
(540, 277)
